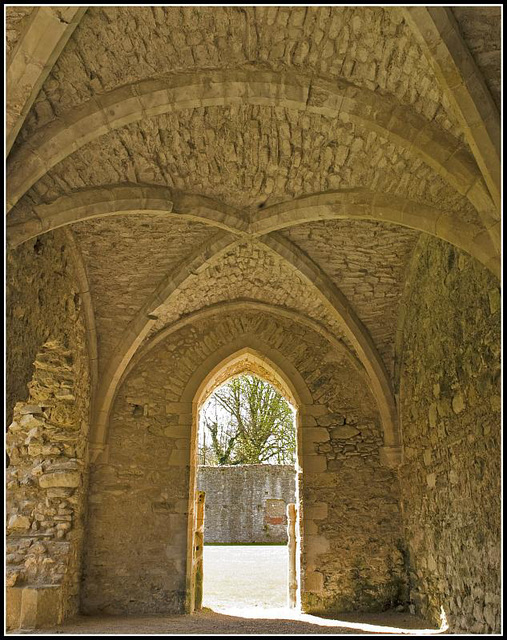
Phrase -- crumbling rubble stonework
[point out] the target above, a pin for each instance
(310, 194)
(44, 303)
(47, 481)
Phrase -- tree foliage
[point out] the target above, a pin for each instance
(246, 421)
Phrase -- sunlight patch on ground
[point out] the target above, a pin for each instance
(250, 582)
(290, 614)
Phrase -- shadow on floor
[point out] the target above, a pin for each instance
(245, 622)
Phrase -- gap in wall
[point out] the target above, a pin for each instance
(247, 455)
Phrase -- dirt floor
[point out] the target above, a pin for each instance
(209, 622)
(245, 591)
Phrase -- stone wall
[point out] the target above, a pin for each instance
(288, 158)
(351, 528)
(46, 482)
(450, 412)
(368, 261)
(48, 404)
(248, 503)
(42, 303)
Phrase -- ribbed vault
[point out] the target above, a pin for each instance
(273, 154)
(311, 193)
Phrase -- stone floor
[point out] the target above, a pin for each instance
(244, 594)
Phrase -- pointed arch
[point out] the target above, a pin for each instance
(438, 34)
(251, 353)
(244, 305)
(338, 304)
(249, 349)
(354, 329)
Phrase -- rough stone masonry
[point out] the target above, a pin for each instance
(247, 503)
(311, 194)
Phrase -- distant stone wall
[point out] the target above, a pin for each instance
(450, 412)
(247, 503)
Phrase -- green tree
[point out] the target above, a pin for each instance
(252, 424)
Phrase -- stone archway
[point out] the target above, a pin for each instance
(142, 481)
(322, 182)
(280, 374)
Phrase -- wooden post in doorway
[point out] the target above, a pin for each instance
(291, 547)
(199, 550)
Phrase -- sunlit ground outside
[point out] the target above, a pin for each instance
(250, 582)
(245, 576)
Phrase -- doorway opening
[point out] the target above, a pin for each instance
(247, 528)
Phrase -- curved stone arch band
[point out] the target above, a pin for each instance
(125, 105)
(352, 204)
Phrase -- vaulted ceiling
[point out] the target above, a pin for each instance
(287, 155)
